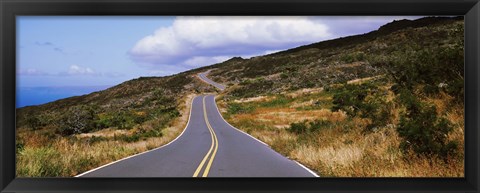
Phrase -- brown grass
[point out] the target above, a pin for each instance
(344, 150)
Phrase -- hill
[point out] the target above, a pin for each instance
(384, 103)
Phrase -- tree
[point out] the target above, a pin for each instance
(78, 119)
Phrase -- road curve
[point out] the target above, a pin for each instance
(203, 76)
(208, 147)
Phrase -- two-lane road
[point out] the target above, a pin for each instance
(203, 76)
(208, 147)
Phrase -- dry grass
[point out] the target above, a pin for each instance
(344, 150)
(49, 156)
(362, 80)
(258, 98)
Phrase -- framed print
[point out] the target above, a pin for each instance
(251, 96)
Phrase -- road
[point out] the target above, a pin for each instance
(203, 76)
(208, 147)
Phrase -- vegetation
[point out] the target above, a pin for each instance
(422, 130)
(391, 103)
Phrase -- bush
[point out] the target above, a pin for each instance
(127, 138)
(422, 130)
(353, 57)
(350, 98)
(309, 126)
(280, 100)
(298, 128)
(317, 125)
(19, 146)
(33, 122)
(378, 110)
(236, 108)
(365, 101)
(78, 119)
(124, 119)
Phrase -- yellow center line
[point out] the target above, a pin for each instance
(207, 169)
(214, 145)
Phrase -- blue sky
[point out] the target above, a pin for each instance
(93, 51)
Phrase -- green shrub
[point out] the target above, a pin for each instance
(378, 110)
(365, 101)
(306, 127)
(422, 130)
(152, 133)
(33, 122)
(298, 128)
(19, 145)
(350, 98)
(127, 138)
(280, 100)
(353, 57)
(236, 108)
(283, 75)
(123, 120)
(317, 125)
(78, 119)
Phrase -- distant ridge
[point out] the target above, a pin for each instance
(382, 31)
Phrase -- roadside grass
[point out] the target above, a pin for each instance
(334, 144)
(42, 154)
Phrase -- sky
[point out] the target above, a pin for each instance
(59, 51)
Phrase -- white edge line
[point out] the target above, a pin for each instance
(186, 126)
(304, 167)
(235, 127)
(308, 169)
(218, 110)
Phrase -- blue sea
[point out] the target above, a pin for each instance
(27, 96)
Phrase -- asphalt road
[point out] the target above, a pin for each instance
(203, 76)
(208, 147)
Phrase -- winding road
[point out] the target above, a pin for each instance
(208, 147)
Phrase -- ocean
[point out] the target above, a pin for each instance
(27, 96)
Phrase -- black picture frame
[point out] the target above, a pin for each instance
(9, 9)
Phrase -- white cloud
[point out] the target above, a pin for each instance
(199, 61)
(78, 70)
(197, 41)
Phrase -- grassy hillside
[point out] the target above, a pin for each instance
(385, 103)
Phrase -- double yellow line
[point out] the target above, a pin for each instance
(213, 147)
